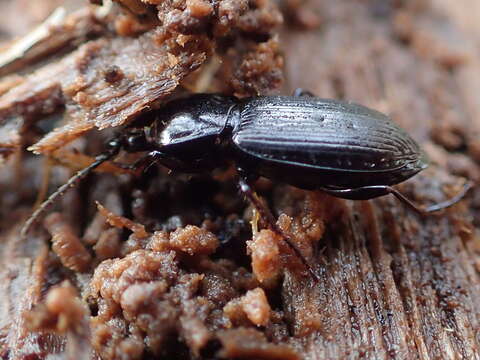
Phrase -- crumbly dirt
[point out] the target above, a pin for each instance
(169, 266)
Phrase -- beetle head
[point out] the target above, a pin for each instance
(136, 141)
(132, 141)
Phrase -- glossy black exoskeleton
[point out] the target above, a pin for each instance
(344, 149)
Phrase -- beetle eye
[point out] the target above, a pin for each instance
(136, 142)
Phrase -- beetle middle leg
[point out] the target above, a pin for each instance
(268, 217)
(370, 192)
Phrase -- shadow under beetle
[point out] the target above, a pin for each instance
(344, 149)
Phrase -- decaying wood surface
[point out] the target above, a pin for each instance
(394, 285)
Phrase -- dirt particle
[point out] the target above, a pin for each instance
(265, 255)
(66, 244)
(193, 240)
(243, 343)
(122, 222)
(199, 8)
(113, 74)
(256, 307)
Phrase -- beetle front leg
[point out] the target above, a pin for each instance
(139, 165)
(270, 220)
(166, 160)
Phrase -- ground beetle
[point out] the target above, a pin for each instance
(341, 148)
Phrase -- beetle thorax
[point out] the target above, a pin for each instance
(187, 127)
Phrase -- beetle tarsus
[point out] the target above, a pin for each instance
(268, 217)
(445, 204)
(435, 207)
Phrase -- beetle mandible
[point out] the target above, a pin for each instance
(344, 149)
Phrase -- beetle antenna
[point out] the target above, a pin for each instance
(115, 146)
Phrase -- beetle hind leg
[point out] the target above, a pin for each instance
(370, 192)
(268, 217)
(361, 193)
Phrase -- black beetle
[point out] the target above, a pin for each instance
(344, 149)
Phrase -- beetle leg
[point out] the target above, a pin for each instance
(370, 192)
(166, 160)
(301, 92)
(447, 203)
(268, 217)
(435, 207)
(139, 165)
(361, 193)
